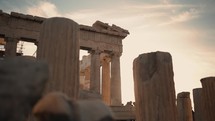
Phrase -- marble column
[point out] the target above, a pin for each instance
(95, 71)
(154, 87)
(184, 107)
(59, 46)
(106, 80)
(198, 104)
(11, 46)
(115, 80)
(208, 91)
(87, 78)
(87, 74)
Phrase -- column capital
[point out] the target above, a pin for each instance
(36, 43)
(105, 57)
(116, 54)
(11, 39)
(95, 51)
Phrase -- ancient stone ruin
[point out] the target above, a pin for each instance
(57, 86)
(155, 93)
(154, 87)
(61, 50)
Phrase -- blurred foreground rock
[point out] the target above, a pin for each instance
(56, 106)
(22, 80)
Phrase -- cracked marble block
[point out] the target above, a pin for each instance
(154, 87)
(59, 46)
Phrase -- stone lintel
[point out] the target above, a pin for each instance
(104, 26)
(89, 28)
(117, 54)
(27, 17)
(11, 39)
(120, 31)
(95, 51)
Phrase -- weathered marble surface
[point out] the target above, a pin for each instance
(154, 87)
(198, 102)
(59, 46)
(184, 107)
(208, 91)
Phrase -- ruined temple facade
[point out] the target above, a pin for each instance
(103, 77)
(99, 71)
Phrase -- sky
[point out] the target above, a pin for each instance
(184, 28)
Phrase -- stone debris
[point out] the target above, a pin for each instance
(22, 81)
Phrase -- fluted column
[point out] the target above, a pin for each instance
(115, 80)
(87, 78)
(198, 102)
(59, 46)
(106, 80)
(184, 107)
(11, 46)
(95, 71)
(154, 87)
(208, 90)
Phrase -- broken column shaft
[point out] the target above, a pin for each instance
(198, 105)
(208, 91)
(154, 87)
(184, 107)
(10, 47)
(59, 46)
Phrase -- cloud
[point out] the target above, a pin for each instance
(44, 9)
(182, 17)
(154, 14)
(159, 14)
